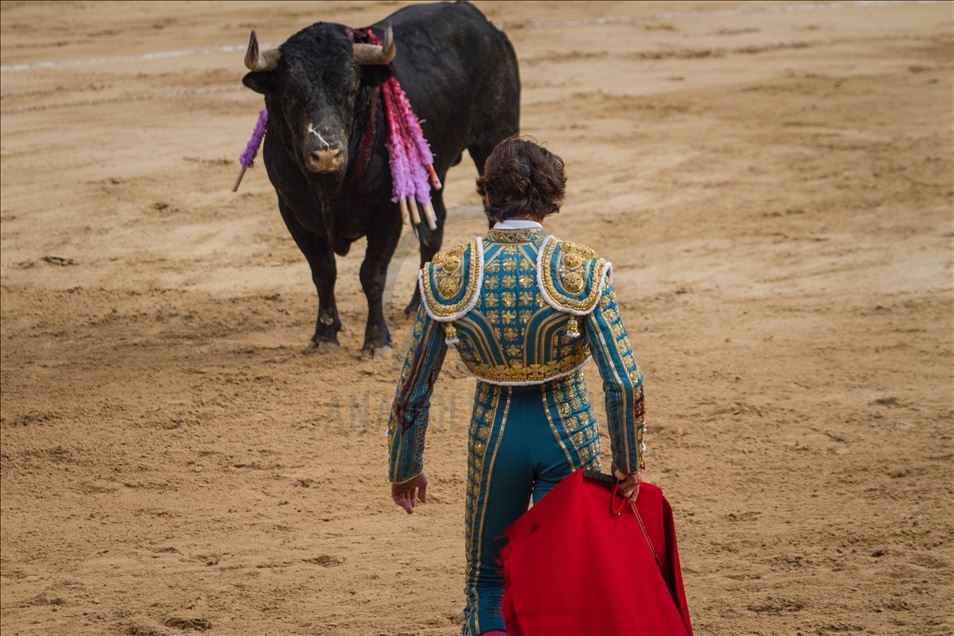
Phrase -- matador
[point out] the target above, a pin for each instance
(524, 310)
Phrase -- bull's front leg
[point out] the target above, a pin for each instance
(382, 242)
(321, 260)
(328, 324)
(430, 244)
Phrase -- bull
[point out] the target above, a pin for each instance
(325, 150)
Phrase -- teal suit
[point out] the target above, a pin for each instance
(524, 311)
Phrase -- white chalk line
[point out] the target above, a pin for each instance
(532, 24)
(110, 59)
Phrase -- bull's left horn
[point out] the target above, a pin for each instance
(257, 60)
(374, 53)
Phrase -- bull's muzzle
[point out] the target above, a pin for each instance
(325, 160)
(323, 153)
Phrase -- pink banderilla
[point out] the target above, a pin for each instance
(410, 156)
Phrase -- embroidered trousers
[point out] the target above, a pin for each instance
(523, 441)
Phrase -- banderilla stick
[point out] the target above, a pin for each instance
(415, 213)
(430, 216)
(239, 179)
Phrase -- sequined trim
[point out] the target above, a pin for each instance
(519, 374)
(576, 267)
(621, 374)
(447, 273)
(483, 426)
(569, 413)
(523, 235)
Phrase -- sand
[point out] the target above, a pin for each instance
(773, 183)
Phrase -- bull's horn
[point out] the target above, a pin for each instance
(257, 60)
(374, 53)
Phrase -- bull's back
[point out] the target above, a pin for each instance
(458, 69)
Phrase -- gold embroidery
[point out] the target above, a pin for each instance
(476, 336)
(518, 371)
(572, 281)
(448, 285)
(553, 428)
(546, 335)
(575, 263)
(446, 273)
(475, 526)
(447, 268)
(527, 235)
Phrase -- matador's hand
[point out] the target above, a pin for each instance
(405, 493)
(629, 487)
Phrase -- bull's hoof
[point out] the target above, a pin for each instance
(380, 352)
(328, 346)
(321, 346)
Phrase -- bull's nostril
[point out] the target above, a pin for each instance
(326, 153)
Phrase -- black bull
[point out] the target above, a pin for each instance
(460, 75)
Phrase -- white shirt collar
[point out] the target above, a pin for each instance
(515, 224)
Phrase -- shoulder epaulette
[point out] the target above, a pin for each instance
(450, 283)
(570, 276)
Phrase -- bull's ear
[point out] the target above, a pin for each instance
(260, 81)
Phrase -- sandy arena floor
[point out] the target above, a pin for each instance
(772, 181)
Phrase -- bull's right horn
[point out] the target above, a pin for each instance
(257, 60)
(374, 53)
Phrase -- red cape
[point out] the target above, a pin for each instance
(572, 565)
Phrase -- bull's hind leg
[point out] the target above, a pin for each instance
(481, 149)
(382, 241)
(499, 123)
(321, 260)
(479, 153)
(429, 248)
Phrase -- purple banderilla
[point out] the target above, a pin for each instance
(409, 155)
(247, 159)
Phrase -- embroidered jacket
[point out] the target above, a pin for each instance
(521, 307)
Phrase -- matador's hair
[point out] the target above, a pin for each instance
(521, 178)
